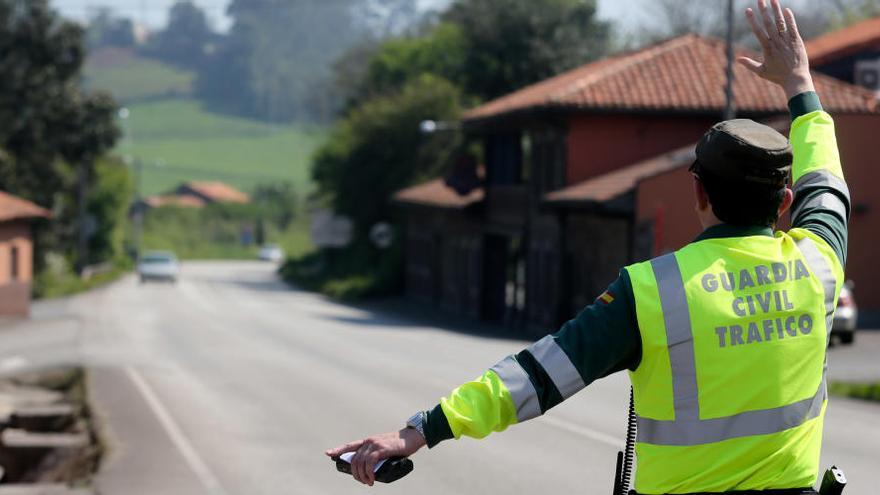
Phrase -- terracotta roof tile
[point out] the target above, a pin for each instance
(187, 200)
(437, 194)
(843, 42)
(15, 208)
(613, 184)
(218, 191)
(686, 73)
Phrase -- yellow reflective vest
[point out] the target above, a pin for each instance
(730, 392)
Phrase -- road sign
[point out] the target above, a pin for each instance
(330, 230)
(382, 235)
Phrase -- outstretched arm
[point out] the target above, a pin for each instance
(601, 340)
(821, 197)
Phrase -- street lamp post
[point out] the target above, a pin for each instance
(137, 167)
(729, 105)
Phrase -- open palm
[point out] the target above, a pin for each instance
(784, 55)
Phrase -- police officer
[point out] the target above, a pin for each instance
(724, 339)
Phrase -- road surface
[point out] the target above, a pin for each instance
(229, 382)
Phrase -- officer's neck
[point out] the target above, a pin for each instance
(707, 217)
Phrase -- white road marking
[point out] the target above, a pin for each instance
(583, 431)
(195, 462)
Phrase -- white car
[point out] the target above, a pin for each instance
(158, 265)
(271, 252)
(845, 316)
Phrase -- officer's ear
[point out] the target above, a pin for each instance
(787, 200)
(701, 196)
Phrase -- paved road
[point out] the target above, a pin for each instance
(231, 383)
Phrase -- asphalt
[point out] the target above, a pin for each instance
(229, 382)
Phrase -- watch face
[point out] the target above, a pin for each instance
(416, 420)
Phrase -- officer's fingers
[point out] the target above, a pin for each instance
(347, 447)
(751, 64)
(772, 34)
(792, 25)
(758, 30)
(371, 461)
(357, 463)
(778, 18)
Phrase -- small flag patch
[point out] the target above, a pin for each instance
(606, 297)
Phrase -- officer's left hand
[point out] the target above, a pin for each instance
(373, 449)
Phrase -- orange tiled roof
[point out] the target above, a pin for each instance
(218, 191)
(436, 193)
(686, 73)
(611, 185)
(843, 42)
(187, 200)
(15, 208)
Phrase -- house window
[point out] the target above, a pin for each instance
(13, 260)
(504, 159)
(548, 159)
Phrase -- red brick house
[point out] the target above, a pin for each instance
(851, 54)
(16, 253)
(585, 172)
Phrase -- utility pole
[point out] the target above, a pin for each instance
(729, 108)
(139, 208)
(82, 244)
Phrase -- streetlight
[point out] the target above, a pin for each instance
(130, 160)
(432, 126)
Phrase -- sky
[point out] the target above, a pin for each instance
(153, 13)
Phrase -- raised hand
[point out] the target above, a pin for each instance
(784, 55)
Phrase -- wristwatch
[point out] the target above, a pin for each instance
(417, 422)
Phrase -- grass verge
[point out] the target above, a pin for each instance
(349, 274)
(855, 390)
(52, 283)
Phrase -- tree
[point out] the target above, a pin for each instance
(378, 149)
(275, 63)
(187, 38)
(273, 54)
(368, 71)
(513, 43)
(671, 18)
(49, 129)
(852, 11)
(105, 29)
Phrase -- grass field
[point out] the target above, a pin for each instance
(177, 140)
(131, 78)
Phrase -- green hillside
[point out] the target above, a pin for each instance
(132, 78)
(176, 139)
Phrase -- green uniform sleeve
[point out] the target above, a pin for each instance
(601, 340)
(821, 197)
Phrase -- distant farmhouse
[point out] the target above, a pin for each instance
(213, 192)
(16, 253)
(196, 194)
(851, 54)
(586, 172)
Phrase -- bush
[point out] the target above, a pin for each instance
(356, 272)
(865, 391)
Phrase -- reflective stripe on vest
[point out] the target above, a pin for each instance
(826, 179)
(556, 364)
(687, 428)
(522, 392)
